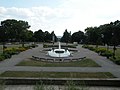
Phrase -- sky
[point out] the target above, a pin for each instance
(58, 15)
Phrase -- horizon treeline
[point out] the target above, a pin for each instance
(12, 30)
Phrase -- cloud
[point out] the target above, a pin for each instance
(73, 15)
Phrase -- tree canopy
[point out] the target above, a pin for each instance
(66, 37)
(12, 30)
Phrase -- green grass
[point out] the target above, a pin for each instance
(57, 74)
(82, 63)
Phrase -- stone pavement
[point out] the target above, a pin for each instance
(31, 87)
(107, 65)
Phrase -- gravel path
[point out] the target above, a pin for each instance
(106, 65)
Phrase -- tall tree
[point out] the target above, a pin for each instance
(93, 35)
(78, 37)
(66, 37)
(53, 37)
(47, 37)
(16, 30)
(39, 36)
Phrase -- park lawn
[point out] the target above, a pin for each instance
(83, 63)
(57, 74)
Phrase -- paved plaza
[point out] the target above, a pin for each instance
(106, 65)
(31, 87)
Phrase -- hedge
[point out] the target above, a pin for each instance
(100, 51)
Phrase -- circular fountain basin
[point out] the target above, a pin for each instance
(59, 53)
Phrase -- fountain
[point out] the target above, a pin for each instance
(59, 52)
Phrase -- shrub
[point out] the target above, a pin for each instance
(89, 47)
(6, 55)
(85, 46)
(107, 54)
(45, 45)
(92, 48)
(2, 57)
(117, 60)
(10, 51)
(33, 45)
(20, 49)
(101, 50)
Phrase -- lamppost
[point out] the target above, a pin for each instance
(102, 35)
(114, 44)
(4, 42)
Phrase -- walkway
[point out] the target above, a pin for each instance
(107, 65)
(31, 87)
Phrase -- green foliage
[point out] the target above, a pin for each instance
(117, 60)
(100, 51)
(2, 57)
(33, 45)
(56, 46)
(8, 52)
(39, 86)
(71, 85)
(20, 49)
(89, 47)
(107, 54)
(2, 85)
(14, 30)
(66, 37)
(104, 34)
(78, 37)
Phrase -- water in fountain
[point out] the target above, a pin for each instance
(59, 52)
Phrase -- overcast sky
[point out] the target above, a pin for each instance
(58, 15)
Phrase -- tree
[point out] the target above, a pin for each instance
(53, 36)
(9, 27)
(66, 37)
(39, 36)
(3, 36)
(47, 37)
(29, 36)
(78, 37)
(16, 30)
(93, 35)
